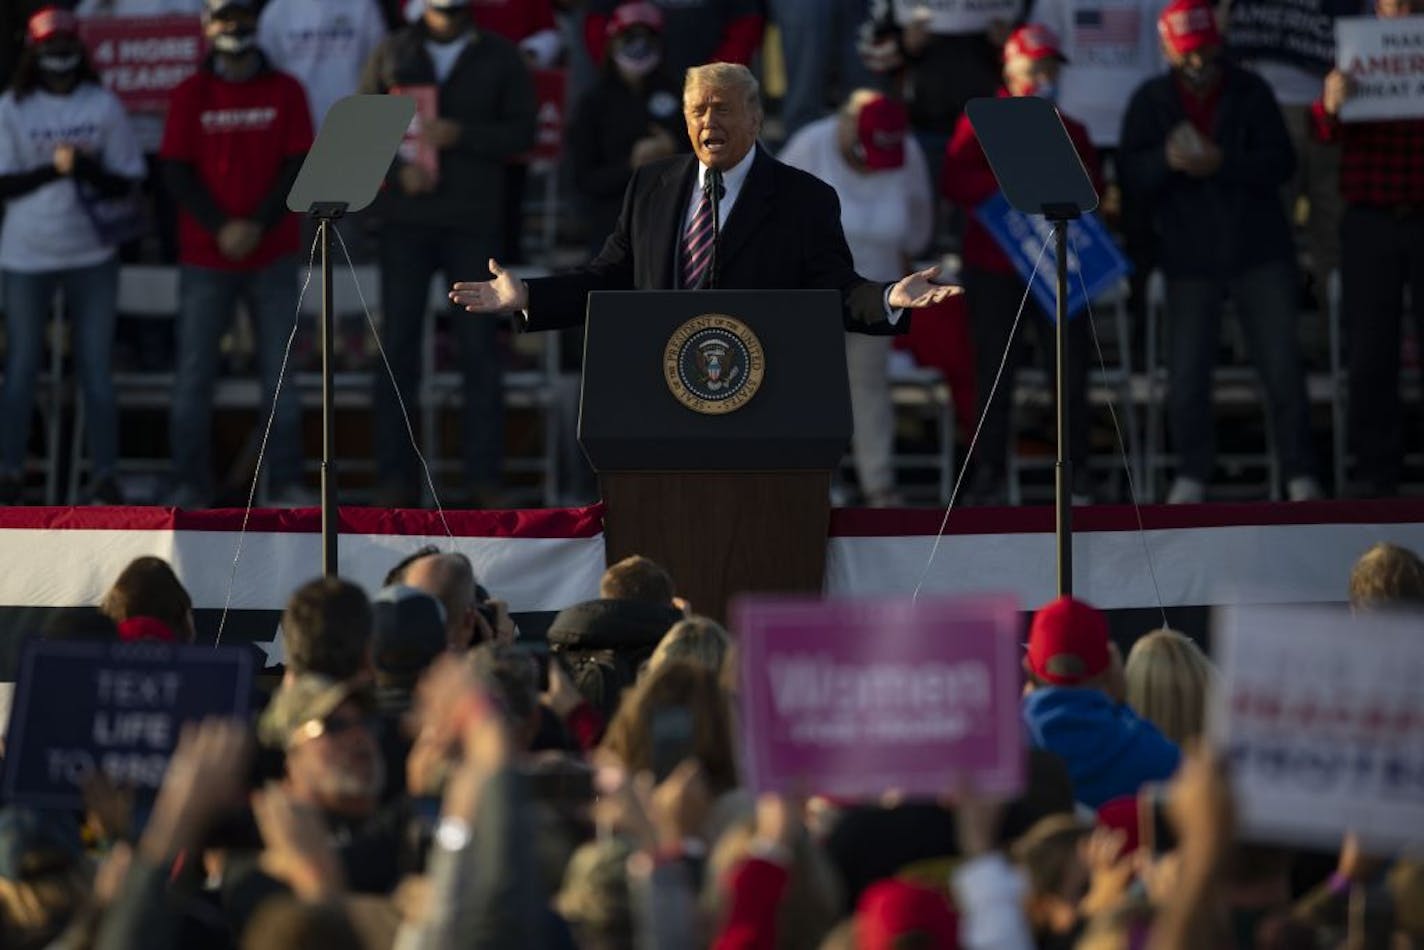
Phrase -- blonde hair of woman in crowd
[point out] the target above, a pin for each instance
(1387, 575)
(1168, 681)
(676, 684)
(700, 641)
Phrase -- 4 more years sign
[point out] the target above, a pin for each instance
(115, 708)
(142, 59)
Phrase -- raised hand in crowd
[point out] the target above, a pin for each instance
(435, 721)
(458, 715)
(503, 630)
(987, 889)
(562, 696)
(206, 777)
(658, 817)
(1355, 865)
(1338, 88)
(298, 847)
(1202, 813)
(1110, 870)
(780, 822)
(109, 806)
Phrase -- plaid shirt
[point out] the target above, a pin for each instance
(1381, 163)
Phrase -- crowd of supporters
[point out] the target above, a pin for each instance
(424, 775)
(1222, 164)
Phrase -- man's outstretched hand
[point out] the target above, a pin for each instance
(506, 292)
(919, 290)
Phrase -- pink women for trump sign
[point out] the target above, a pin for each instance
(856, 698)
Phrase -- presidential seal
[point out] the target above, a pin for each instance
(713, 364)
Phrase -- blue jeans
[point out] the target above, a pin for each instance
(410, 256)
(817, 38)
(1265, 299)
(206, 297)
(91, 298)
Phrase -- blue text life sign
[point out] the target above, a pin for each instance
(1092, 253)
(117, 708)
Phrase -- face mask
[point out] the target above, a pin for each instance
(58, 63)
(637, 62)
(236, 42)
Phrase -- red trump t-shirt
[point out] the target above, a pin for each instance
(237, 135)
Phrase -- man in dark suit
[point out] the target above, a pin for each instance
(782, 228)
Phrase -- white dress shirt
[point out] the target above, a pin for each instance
(732, 181)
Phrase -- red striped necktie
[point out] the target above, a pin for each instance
(697, 242)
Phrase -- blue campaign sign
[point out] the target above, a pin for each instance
(118, 708)
(1092, 253)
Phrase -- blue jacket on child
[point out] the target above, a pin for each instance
(1110, 751)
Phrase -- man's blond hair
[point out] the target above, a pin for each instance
(725, 77)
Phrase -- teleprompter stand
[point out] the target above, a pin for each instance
(1040, 172)
(342, 174)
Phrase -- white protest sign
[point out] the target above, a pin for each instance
(1321, 716)
(956, 16)
(1384, 57)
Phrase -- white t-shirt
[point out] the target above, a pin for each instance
(48, 229)
(444, 55)
(886, 215)
(1112, 47)
(324, 43)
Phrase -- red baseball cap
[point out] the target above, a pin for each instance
(881, 126)
(51, 21)
(891, 909)
(629, 15)
(1187, 25)
(1068, 642)
(1034, 41)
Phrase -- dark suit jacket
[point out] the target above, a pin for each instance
(783, 233)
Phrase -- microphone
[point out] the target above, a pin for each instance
(716, 191)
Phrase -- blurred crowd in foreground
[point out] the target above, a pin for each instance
(423, 776)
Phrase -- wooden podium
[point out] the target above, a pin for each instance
(714, 420)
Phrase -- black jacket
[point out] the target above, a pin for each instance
(628, 625)
(606, 123)
(783, 233)
(1232, 221)
(491, 95)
